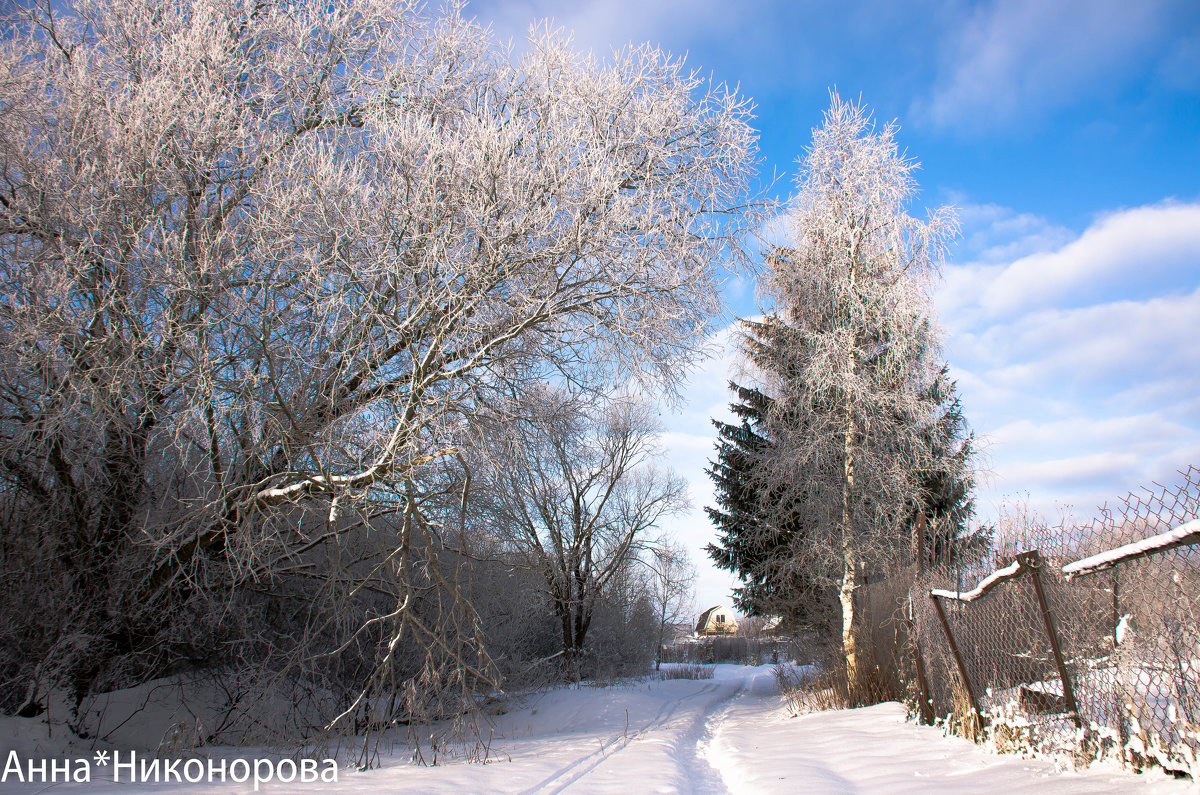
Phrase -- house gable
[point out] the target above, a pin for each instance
(716, 620)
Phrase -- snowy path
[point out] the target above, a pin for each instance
(730, 735)
(876, 749)
(709, 737)
(651, 737)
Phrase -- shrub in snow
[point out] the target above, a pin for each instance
(686, 671)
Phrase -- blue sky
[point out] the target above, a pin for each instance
(1067, 133)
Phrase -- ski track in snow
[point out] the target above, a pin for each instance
(560, 780)
(724, 736)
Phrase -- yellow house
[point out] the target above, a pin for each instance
(716, 621)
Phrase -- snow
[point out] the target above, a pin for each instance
(729, 734)
(984, 585)
(1123, 628)
(1157, 543)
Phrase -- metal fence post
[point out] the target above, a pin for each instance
(924, 699)
(1034, 560)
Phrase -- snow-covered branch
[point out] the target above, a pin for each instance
(259, 264)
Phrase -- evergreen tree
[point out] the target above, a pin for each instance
(758, 546)
(765, 529)
(739, 548)
(855, 289)
(763, 545)
(947, 486)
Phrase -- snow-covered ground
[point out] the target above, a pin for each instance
(727, 734)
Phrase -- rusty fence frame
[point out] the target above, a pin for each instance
(1029, 564)
(1026, 563)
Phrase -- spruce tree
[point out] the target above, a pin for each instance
(947, 486)
(768, 554)
(739, 548)
(761, 547)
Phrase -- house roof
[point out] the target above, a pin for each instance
(702, 622)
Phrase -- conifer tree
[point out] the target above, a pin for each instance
(769, 555)
(948, 483)
(739, 549)
(761, 546)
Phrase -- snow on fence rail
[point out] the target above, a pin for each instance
(1106, 664)
(1184, 535)
(1187, 534)
(988, 583)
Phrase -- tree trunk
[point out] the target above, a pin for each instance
(569, 644)
(849, 558)
(849, 585)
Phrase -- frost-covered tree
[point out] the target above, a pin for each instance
(256, 260)
(847, 413)
(569, 482)
(778, 575)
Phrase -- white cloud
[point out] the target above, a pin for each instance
(1082, 470)
(1141, 434)
(1088, 460)
(993, 234)
(1109, 347)
(1013, 58)
(1078, 363)
(1135, 253)
(1082, 483)
(1122, 251)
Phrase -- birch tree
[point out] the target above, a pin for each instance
(258, 260)
(852, 293)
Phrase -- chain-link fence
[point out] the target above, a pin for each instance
(1082, 638)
